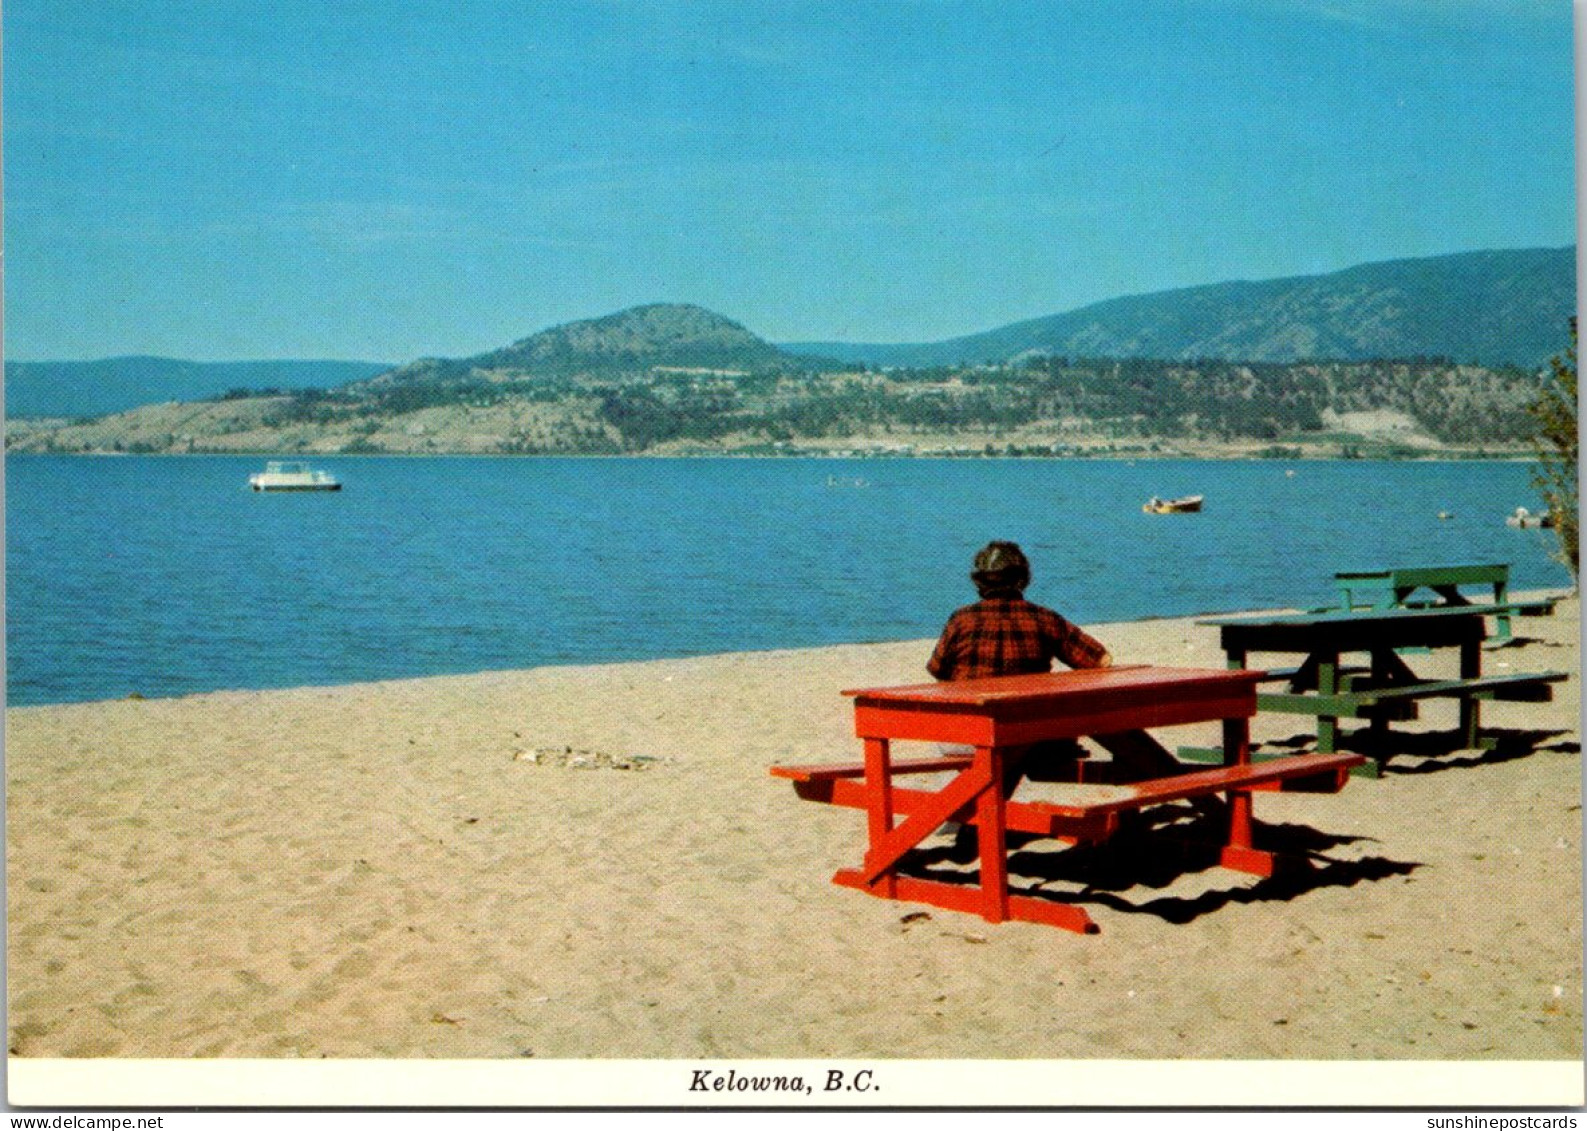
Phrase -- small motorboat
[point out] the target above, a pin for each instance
(1524, 519)
(288, 475)
(1189, 504)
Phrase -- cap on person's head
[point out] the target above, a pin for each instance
(1000, 565)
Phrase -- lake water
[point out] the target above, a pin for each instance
(165, 576)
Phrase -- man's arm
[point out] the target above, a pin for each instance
(1078, 648)
(942, 657)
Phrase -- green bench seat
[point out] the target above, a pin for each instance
(1357, 699)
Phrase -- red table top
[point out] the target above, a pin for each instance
(1058, 686)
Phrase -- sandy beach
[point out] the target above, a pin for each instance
(592, 862)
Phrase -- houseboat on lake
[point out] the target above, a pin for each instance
(289, 475)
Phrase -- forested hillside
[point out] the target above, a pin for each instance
(1494, 308)
(1038, 406)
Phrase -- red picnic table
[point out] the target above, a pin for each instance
(998, 717)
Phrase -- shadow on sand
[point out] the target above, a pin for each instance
(1154, 849)
(1159, 848)
(1438, 750)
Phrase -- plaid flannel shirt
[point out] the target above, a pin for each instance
(1009, 636)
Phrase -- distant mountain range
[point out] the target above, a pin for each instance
(1487, 307)
(1492, 308)
(116, 384)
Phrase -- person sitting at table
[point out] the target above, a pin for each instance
(1004, 634)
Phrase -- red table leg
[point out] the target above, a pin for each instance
(989, 818)
(1240, 855)
(879, 785)
(980, 785)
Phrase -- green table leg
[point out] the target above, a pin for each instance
(1470, 708)
(1327, 684)
(1383, 664)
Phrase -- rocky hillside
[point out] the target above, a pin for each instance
(630, 343)
(1487, 307)
(664, 379)
(1040, 406)
(1493, 309)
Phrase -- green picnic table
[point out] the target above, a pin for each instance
(1387, 688)
(1393, 588)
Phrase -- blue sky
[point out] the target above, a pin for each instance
(223, 180)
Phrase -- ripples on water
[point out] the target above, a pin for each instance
(164, 576)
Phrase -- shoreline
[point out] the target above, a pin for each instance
(791, 651)
(593, 861)
(1442, 456)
